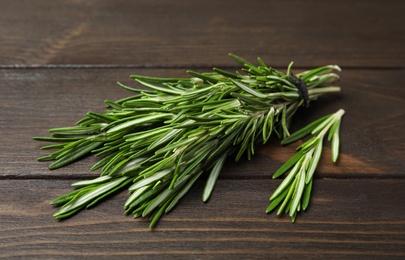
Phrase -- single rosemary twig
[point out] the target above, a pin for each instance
(295, 190)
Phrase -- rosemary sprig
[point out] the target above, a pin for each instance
(159, 141)
(295, 190)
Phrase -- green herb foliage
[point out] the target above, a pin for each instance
(295, 190)
(157, 142)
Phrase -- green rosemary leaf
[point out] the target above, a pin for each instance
(238, 59)
(138, 121)
(164, 162)
(112, 162)
(249, 90)
(55, 139)
(72, 145)
(74, 155)
(322, 125)
(195, 163)
(253, 140)
(309, 144)
(318, 71)
(46, 158)
(79, 202)
(183, 191)
(65, 198)
(112, 104)
(335, 142)
(108, 193)
(268, 125)
(147, 181)
(165, 139)
(85, 121)
(139, 204)
(109, 140)
(249, 100)
(303, 131)
(263, 65)
(203, 77)
(145, 134)
(138, 211)
(212, 179)
(101, 117)
(224, 145)
(299, 191)
(323, 80)
(53, 146)
(128, 88)
(276, 201)
(135, 195)
(315, 92)
(287, 180)
(287, 198)
(132, 166)
(314, 161)
(289, 68)
(252, 69)
(307, 195)
(156, 216)
(106, 150)
(118, 167)
(246, 139)
(98, 180)
(157, 88)
(284, 123)
(226, 73)
(156, 79)
(142, 105)
(164, 196)
(179, 163)
(286, 85)
(288, 164)
(293, 217)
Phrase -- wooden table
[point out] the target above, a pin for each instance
(61, 59)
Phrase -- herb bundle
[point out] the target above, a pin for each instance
(160, 140)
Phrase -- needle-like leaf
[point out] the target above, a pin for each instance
(212, 179)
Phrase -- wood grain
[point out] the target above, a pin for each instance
(361, 224)
(201, 33)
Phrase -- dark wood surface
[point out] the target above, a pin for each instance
(61, 59)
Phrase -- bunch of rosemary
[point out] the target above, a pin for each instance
(160, 140)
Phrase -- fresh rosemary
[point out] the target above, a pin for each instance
(160, 140)
(295, 190)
